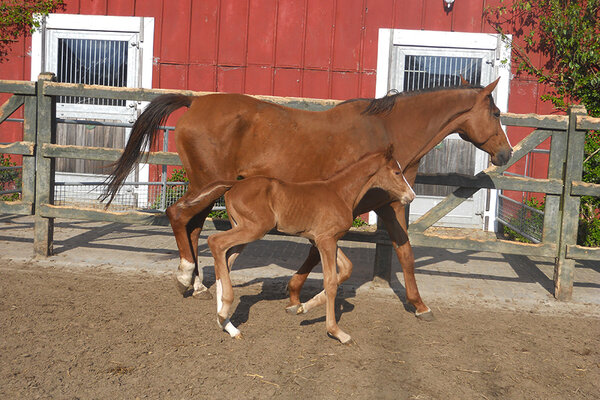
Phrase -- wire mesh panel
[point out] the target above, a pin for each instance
(132, 196)
(427, 71)
(94, 62)
(523, 219)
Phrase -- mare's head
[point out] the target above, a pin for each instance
(481, 126)
(389, 177)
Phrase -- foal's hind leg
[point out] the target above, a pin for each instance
(187, 221)
(344, 266)
(297, 280)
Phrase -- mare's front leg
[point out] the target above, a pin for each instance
(297, 280)
(327, 249)
(344, 266)
(187, 221)
(395, 223)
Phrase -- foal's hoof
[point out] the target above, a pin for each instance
(239, 336)
(181, 288)
(202, 294)
(301, 310)
(425, 316)
(292, 309)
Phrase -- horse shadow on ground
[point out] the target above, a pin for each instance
(275, 289)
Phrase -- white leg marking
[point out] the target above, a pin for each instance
(185, 272)
(227, 325)
(219, 295)
(229, 328)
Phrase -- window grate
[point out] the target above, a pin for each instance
(92, 62)
(422, 71)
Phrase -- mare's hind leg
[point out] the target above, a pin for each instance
(344, 266)
(187, 221)
(297, 280)
(395, 222)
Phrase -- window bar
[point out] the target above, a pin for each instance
(412, 73)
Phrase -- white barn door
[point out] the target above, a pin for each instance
(414, 60)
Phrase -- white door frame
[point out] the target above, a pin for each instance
(138, 31)
(388, 38)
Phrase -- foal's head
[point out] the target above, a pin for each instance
(389, 177)
(481, 126)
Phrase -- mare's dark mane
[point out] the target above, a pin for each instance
(386, 103)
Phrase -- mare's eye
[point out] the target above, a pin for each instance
(497, 114)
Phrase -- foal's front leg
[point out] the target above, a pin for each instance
(327, 249)
(224, 288)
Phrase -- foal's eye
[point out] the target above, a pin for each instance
(497, 114)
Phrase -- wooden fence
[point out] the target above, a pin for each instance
(563, 187)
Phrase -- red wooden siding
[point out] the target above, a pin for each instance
(306, 48)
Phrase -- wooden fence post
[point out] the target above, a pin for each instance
(43, 233)
(382, 267)
(564, 268)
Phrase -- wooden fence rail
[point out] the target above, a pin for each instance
(563, 186)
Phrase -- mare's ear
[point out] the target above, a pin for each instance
(389, 152)
(486, 91)
(463, 81)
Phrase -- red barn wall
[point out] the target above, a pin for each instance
(304, 48)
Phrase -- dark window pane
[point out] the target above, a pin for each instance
(422, 72)
(93, 62)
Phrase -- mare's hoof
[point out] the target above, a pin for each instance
(425, 316)
(301, 310)
(346, 340)
(239, 336)
(202, 294)
(292, 309)
(181, 288)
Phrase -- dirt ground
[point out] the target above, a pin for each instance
(100, 334)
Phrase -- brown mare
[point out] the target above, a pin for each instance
(321, 211)
(226, 136)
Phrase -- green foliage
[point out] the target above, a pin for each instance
(17, 19)
(358, 222)
(9, 178)
(567, 34)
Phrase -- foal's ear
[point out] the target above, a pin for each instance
(389, 153)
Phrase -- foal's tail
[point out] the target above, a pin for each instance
(143, 133)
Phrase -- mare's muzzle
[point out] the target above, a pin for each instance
(502, 156)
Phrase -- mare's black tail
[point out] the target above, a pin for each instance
(143, 133)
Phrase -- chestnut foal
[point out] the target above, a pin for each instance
(320, 211)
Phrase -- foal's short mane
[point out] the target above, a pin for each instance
(386, 103)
